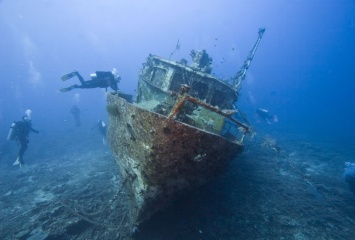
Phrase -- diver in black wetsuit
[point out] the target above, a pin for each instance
(76, 113)
(349, 175)
(265, 115)
(102, 127)
(21, 129)
(99, 79)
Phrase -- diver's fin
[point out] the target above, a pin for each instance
(68, 88)
(68, 76)
(65, 89)
(17, 162)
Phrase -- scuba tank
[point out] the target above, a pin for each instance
(11, 134)
(93, 76)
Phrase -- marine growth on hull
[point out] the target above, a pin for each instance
(180, 132)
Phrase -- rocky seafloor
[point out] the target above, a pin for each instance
(278, 188)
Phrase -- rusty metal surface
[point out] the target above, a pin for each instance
(162, 157)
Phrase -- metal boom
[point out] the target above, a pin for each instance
(239, 77)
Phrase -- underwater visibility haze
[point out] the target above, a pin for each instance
(295, 178)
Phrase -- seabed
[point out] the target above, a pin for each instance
(295, 191)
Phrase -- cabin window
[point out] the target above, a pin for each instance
(218, 98)
(176, 82)
(159, 76)
(199, 90)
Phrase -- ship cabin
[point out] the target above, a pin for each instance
(163, 82)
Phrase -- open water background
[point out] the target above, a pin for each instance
(303, 72)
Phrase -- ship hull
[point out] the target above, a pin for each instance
(161, 158)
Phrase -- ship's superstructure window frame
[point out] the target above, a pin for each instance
(199, 89)
(159, 76)
(176, 82)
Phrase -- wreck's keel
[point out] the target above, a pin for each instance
(160, 157)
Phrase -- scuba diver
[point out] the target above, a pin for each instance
(349, 174)
(99, 79)
(265, 115)
(76, 113)
(102, 127)
(19, 131)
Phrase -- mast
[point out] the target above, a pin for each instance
(239, 77)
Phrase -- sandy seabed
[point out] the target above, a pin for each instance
(72, 190)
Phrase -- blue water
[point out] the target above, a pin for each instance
(303, 72)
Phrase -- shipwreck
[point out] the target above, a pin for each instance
(180, 132)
